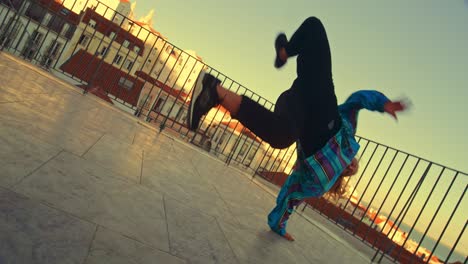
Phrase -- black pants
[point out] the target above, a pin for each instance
(307, 111)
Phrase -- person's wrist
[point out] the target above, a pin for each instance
(283, 54)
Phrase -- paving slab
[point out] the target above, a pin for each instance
(35, 233)
(115, 155)
(98, 195)
(113, 248)
(196, 236)
(21, 154)
(262, 246)
(55, 129)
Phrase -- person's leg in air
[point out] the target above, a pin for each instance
(272, 127)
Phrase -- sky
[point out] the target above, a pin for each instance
(406, 49)
(414, 49)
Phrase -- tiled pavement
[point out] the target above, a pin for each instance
(82, 182)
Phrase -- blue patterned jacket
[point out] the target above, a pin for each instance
(321, 170)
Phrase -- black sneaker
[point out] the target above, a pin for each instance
(204, 97)
(280, 42)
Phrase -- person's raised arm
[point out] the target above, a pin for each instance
(372, 101)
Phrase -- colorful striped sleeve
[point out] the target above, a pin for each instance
(368, 99)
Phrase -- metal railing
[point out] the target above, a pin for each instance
(404, 206)
(407, 208)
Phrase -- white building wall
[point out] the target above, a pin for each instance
(33, 41)
(190, 71)
(96, 42)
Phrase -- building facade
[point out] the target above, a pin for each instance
(38, 31)
(102, 54)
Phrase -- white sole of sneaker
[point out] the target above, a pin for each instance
(196, 92)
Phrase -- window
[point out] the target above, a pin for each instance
(92, 23)
(168, 49)
(83, 41)
(221, 140)
(252, 153)
(104, 51)
(30, 49)
(36, 12)
(56, 24)
(128, 64)
(180, 115)
(54, 48)
(242, 150)
(158, 105)
(51, 54)
(136, 49)
(125, 83)
(117, 59)
(112, 35)
(126, 43)
(16, 4)
(47, 19)
(65, 28)
(36, 37)
(71, 31)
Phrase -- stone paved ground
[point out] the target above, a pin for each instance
(82, 182)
